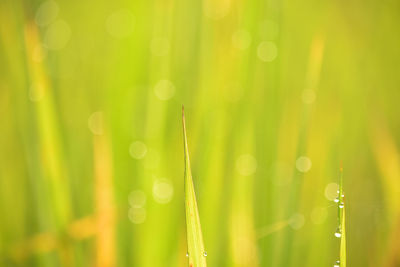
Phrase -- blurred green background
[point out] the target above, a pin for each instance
(277, 95)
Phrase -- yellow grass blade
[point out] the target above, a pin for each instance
(196, 252)
(343, 240)
(342, 222)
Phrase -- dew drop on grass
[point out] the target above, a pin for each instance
(337, 264)
(46, 13)
(137, 215)
(163, 190)
(336, 200)
(331, 191)
(205, 253)
(96, 123)
(187, 254)
(137, 199)
(341, 205)
(137, 150)
(338, 233)
(267, 51)
(303, 164)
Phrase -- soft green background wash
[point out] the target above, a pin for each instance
(278, 94)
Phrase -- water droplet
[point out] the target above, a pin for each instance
(336, 200)
(137, 199)
(163, 190)
(187, 254)
(137, 150)
(338, 232)
(337, 264)
(205, 253)
(341, 205)
(267, 51)
(137, 215)
(303, 164)
(96, 123)
(46, 13)
(164, 90)
(331, 191)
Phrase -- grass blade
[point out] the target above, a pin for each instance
(196, 252)
(342, 222)
(343, 240)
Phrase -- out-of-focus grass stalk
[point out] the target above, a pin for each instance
(313, 74)
(13, 172)
(155, 133)
(50, 143)
(392, 257)
(211, 125)
(215, 186)
(242, 232)
(104, 201)
(387, 158)
(47, 242)
(196, 251)
(51, 153)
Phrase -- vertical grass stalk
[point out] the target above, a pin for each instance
(196, 253)
(341, 230)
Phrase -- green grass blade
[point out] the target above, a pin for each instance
(196, 251)
(342, 222)
(343, 240)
